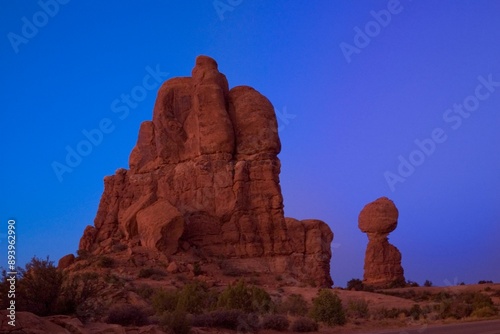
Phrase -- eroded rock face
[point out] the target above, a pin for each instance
(382, 260)
(205, 173)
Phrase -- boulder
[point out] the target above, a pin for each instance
(66, 261)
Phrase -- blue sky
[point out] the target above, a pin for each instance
(355, 85)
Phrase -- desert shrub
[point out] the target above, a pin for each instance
(38, 287)
(464, 305)
(357, 285)
(304, 325)
(427, 283)
(276, 322)
(76, 296)
(165, 300)
(195, 298)
(151, 272)
(229, 319)
(484, 282)
(415, 312)
(105, 262)
(397, 284)
(478, 300)
(412, 284)
(386, 313)
(176, 322)
(453, 308)
(357, 308)
(114, 280)
(294, 304)
(327, 308)
(145, 291)
(484, 312)
(246, 298)
(127, 315)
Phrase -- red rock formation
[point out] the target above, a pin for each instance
(205, 173)
(382, 260)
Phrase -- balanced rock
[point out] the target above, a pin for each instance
(204, 174)
(382, 260)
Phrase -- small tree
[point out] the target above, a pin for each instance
(355, 284)
(246, 298)
(427, 283)
(39, 286)
(194, 298)
(327, 308)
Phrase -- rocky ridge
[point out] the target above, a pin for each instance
(204, 180)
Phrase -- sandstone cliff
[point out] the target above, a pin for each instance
(204, 175)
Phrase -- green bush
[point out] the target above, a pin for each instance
(276, 322)
(246, 298)
(165, 300)
(327, 308)
(304, 325)
(416, 312)
(355, 284)
(464, 305)
(145, 291)
(127, 315)
(386, 313)
(76, 295)
(412, 284)
(176, 322)
(357, 308)
(294, 305)
(194, 298)
(38, 287)
(484, 312)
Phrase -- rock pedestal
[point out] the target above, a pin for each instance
(205, 174)
(382, 260)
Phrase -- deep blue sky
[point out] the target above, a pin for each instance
(343, 124)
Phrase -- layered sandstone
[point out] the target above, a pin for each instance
(205, 175)
(382, 260)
